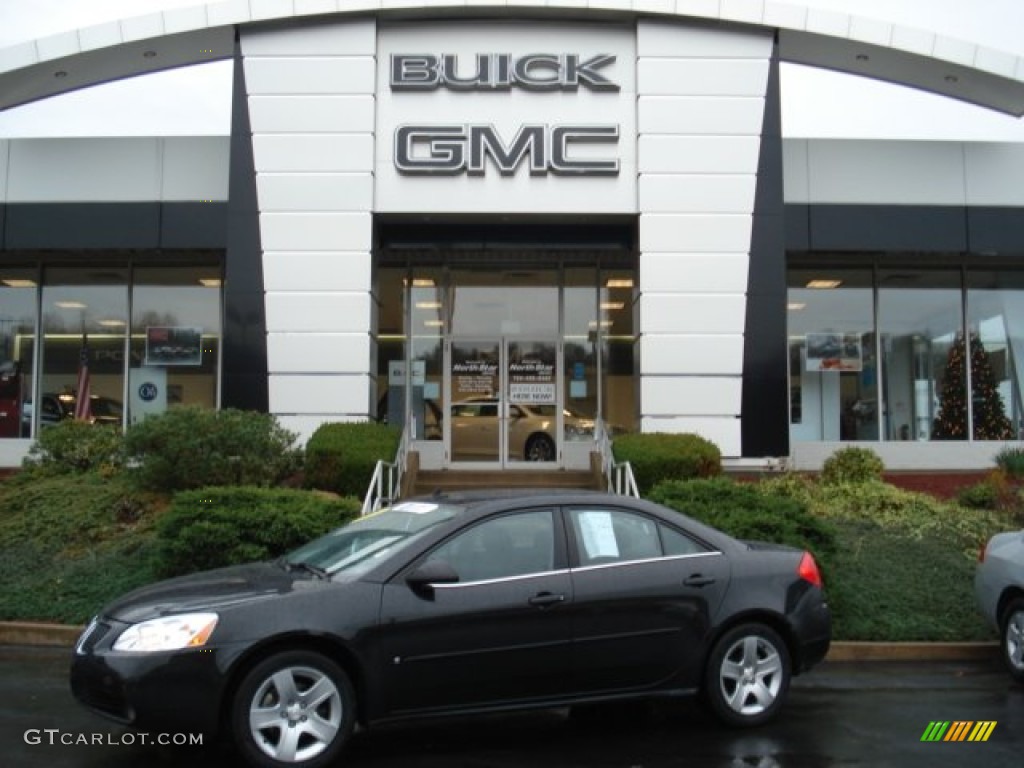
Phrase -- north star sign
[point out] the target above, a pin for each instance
(451, 150)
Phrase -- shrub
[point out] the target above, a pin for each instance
(983, 495)
(194, 447)
(743, 511)
(76, 446)
(214, 527)
(657, 457)
(341, 457)
(1011, 461)
(852, 465)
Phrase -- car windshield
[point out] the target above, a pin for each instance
(355, 548)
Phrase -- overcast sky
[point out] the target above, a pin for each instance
(196, 100)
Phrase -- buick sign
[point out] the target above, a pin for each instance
(454, 149)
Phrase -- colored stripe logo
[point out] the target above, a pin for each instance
(959, 730)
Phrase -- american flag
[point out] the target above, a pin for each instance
(83, 411)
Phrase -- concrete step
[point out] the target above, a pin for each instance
(427, 482)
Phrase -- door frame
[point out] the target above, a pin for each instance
(503, 460)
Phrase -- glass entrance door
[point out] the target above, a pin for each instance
(503, 397)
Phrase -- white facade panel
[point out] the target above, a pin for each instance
(994, 173)
(328, 271)
(700, 115)
(692, 354)
(316, 231)
(336, 395)
(348, 38)
(697, 313)
(696, 193)
(694, 272)
(691, 395)
(313, 152)
(90, 170)
(322, 312)
(318, 352)
(508, 111)
(796, 186)
(312, 74)
(311, 114)
(305, 425)
(724, 432)
(921, 173)
(675, 40)
(315, 191)
(728, 233)
(702, 77)
(195, 168)
(698, 154)
(100, 36)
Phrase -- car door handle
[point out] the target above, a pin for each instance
(545, 599)
(696, 580)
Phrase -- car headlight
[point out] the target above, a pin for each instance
(169, 633)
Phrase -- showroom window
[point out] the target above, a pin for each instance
(904, 353)
(137, 338)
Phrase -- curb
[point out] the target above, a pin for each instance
(63, 636)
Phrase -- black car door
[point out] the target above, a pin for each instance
(644, 593)
(498, 635)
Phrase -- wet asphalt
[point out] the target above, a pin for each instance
(841, 714)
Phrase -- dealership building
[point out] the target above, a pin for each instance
(512, 226)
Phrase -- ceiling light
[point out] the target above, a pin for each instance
(423, 282)
(612, 305)
(795, 306)
(822, 283)
(433, 323)
(604, 323)
(210, 282)
(619, 282)
(19, 282)
(112, 323)
(70, 304)
(428, 305)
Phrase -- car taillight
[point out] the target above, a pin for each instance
(808, 570)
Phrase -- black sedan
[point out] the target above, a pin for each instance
(457, 604)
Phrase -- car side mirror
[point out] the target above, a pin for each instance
(423, 579)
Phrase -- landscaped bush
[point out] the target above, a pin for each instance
(657, 457)
(1011, 461)
(983, 495)
(193, 447)
(341, 457)
(852, 465)
(744, 512)
(214, 527)
(76, 446)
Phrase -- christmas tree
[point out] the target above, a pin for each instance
(988, 412)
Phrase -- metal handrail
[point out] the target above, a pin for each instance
(386, 483)
(618, 474)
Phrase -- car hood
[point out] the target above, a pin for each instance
(208, 591)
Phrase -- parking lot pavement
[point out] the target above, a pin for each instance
(841, 714)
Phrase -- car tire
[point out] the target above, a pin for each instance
(295, 708)
(747, 676)
(1011, 638)
(540, 448)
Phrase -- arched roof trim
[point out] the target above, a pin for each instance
(915, 57)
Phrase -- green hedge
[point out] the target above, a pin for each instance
(76, 446)
(852, 465)
(191, 447)
(341, 457)
(744, 512)
(657, 457)
(214, 527)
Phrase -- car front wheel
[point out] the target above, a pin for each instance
(1013, 639)
(540, 448)
(747, 676)
(295, 708)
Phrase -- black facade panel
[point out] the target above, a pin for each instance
(194, 225)
(3, 226)
(82, 226)
(244, 380)
(798, 227)
(765, 404)
(887, 228)
(995, 231)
